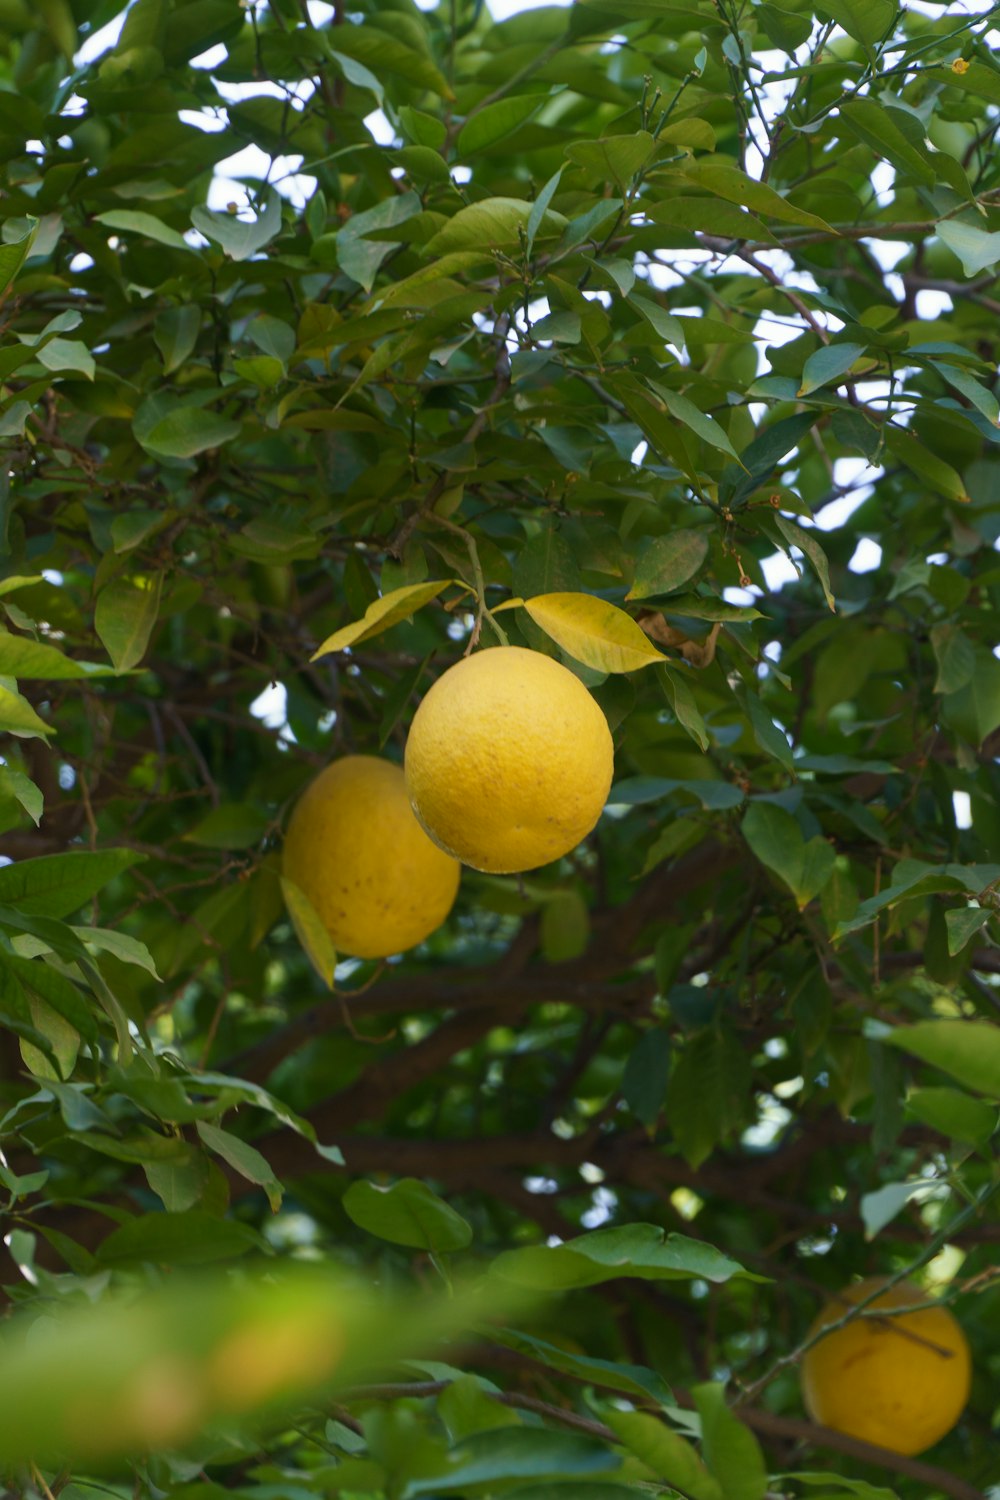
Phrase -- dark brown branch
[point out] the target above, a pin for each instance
(769, 1425)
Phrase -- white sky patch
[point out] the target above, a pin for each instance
(773, 1119)
(605, 1202)
(852, 471)
(102, 41)
(271, 706)
(213, 58)
(210, 121)
(777, 570)
(888, 253)
(867, 556)
(321, 14)
(378, 126)
(743, 597)
(962, 803)
(639, 453)
(932, 303)
(884, 183)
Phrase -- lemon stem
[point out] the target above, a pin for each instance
(482, 611)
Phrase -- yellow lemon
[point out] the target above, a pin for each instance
(508, 761)
(355, 850)
(899, 1382)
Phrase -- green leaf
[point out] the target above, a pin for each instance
(953, 1113)
(240, 239)
(407, 1213)
(769, 737)
(67, 354)
(128, 950)
(33, 660)
(644, 1083)
(962, 926)
(570, 1490)
(867, 21)
(873, 123)
(983, 400)
(564, 930)
(615, 157)
(678, 693)
(976, 248)
(382, 614)
(545, 564)
(540, 207)
(941, 477)
(23, 790)
(641, 1250)
(784, 28)
(424, 129)
(183, 1239)
(504, 1454)
(828, 364)
(384, 52)
(60, 994)
(243, 1158)
(633, 1380)
(126, 612)
(136, 221)
(728, 182)
(667, 562)
(496, 121)
(19, 718)
(14, 250)
(233, 825)
(491, 224)
(188, 431)
(974, 710)
(708, 1094)
(808, 544)
(55, 885)
(671, 1457)
(175, 333)
(731, 1451)
(956, 658)
(356, 73)
(593, 631)
(177, 1184)
(776, 839)
(706, 427)
(13, 419)
(967, 1050)
(63, 1039)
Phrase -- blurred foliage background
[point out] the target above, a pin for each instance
(688, 307)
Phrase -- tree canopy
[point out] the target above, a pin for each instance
(659, 336)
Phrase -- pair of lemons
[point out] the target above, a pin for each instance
(508, 765)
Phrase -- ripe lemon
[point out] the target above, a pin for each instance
(899, 1382)
(508, 761)
(355, 850)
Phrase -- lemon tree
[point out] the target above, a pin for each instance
(352, 356)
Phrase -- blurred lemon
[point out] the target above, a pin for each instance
(899, 1382)
(354, 849)
(509, 760)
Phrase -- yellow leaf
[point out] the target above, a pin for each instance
(397, 605)
(599, 634)
(310, 931)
